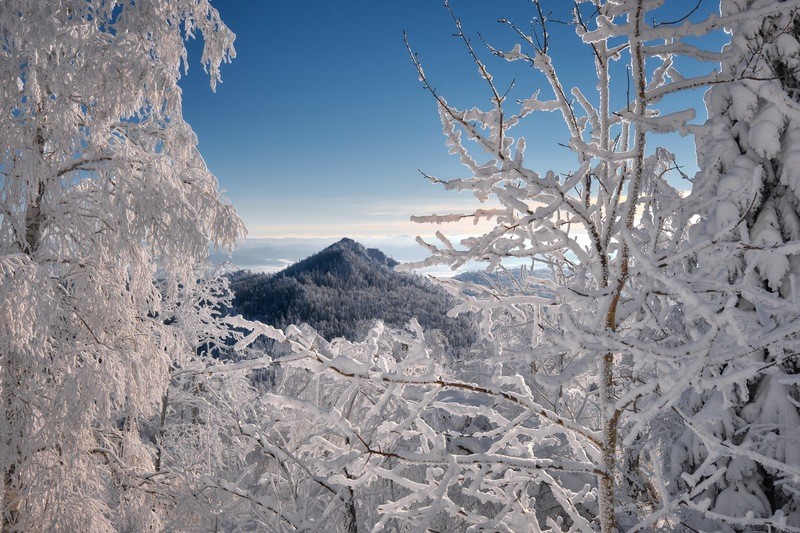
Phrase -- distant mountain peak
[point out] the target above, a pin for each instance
(343, 285)
(350, 251)
(345, 242)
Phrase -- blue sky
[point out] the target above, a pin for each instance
(320, 125)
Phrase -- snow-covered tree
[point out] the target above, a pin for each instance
(106, 214)
(737, 463)
(602, 310)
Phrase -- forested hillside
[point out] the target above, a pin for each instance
(338, 289)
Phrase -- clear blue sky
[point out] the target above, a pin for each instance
(320, 124)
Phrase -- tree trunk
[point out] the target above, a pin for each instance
(162, 428)
(611, 413)
(12, 439)
(11, 502)
(609, 451)
(33, 211)
(350, 511)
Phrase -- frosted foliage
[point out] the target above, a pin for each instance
(764, 134)
(742, 475)
(106, 214)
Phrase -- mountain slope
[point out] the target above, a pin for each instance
(341, 287)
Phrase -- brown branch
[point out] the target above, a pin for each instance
(678, 21)
(498, 100)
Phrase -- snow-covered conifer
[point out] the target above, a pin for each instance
(740, 455)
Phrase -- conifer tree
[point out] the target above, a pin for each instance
(741, 451)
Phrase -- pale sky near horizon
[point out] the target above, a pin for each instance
(320, 125)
